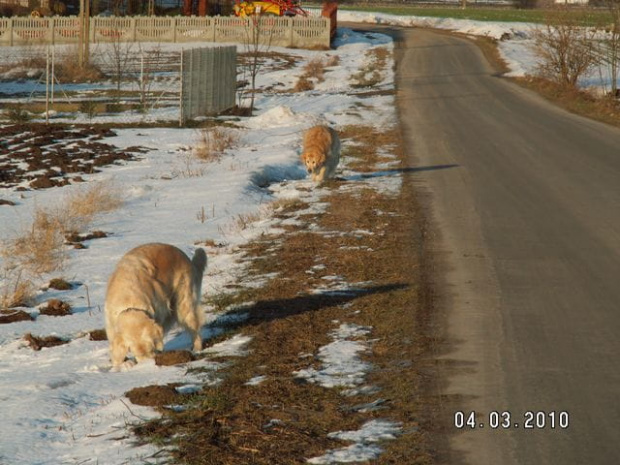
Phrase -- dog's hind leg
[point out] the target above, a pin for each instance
(189, 313)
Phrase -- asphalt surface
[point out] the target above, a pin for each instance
(526, 201)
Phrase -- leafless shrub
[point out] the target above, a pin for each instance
(67, 68)
(39, 248)
(31, 66)
(303, 84)
(15, 289)
(315, 68)
(333, 60)
(313, 71)
(189, 168)
(611, 48)
(81, 206)
(566, 49)
(213, 142)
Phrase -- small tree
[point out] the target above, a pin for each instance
(117, 57)
(612, 49)
(566, 48)
(259, 29)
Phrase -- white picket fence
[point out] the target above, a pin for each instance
(298, 32)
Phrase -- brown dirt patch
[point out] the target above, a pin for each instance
(77, 240)
(174, 357)
(55, 307)
(153, 396)
(60, 284)
(98, 335)
(38, 343)
(55, 154)
(12, 316)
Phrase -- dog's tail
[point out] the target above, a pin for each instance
(199, 261)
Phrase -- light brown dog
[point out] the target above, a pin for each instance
(321, 152)
(153, 287)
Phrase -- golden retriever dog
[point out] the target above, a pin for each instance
(321, 152)
(153, 287)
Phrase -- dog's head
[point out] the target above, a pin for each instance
(313, 159)
(142, 334)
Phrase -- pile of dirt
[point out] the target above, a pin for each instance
(155, 396)
(50, 155)
(174, 357)
(38, 343)
(98, 335)
(13, 316)
(60, 284)
(55, 307)
(77, 240)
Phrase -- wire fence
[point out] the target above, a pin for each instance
(208, 81)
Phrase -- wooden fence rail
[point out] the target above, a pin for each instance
(299, 32)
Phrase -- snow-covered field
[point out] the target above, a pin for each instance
(63, 405)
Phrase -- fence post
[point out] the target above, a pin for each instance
(11, 31)
(174, 29)
(50, 30)
(134, 28)
(291, 37)
(182, 93)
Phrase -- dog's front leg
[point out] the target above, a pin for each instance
(118, 351)
(320, 176)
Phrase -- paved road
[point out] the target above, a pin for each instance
(530, 242)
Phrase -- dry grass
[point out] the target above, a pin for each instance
(605, 108)
(368, 141)
(81, 206)
(333, 60)
(67, 68)
(40, 247)
(303, 84)
(313, 72)
(315, 69)
(373, 71)
(213, 142)
(15, 290)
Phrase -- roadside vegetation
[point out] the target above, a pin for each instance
(563, 44)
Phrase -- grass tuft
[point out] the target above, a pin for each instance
(372, 73)
(213, 142)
